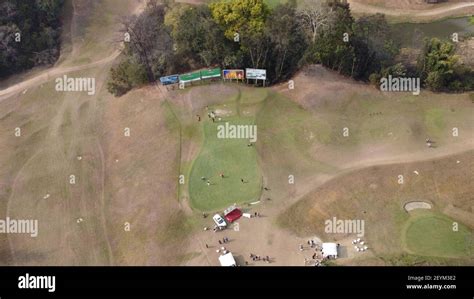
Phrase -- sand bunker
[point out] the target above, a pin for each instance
(223, 112)
(413, 205)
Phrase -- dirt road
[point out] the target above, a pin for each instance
(61, 70)
(454, 9)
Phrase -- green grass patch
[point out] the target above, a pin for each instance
(434, 121)
(234, 159)
(433, 235)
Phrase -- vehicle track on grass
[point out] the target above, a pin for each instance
(7, 212)
(102, 197)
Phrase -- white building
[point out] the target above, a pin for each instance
(227, 260)
(330, 250)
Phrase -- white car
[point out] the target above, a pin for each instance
(220, 222)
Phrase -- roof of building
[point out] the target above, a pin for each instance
(227, 260)
(329, 249)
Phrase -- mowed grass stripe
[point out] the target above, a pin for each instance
(234, 159)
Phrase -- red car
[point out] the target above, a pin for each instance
(232, 214)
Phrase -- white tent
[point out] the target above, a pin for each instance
(227, 260)
(330, 250)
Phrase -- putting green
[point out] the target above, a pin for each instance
(433, 235)
(234, 159)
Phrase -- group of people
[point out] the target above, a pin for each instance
(221, 175)
(224, 240)
(316, 258)
(311, 244)
(255, 258)
(211, 115)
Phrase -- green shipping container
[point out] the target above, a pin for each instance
(196, 76)
(212, 73)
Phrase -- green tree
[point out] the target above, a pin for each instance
(238, 16)
(287, 42)
(331, 49)
(376, 34)
(437, 64)
(39, 24)
(125, 76)
(396, 70)
(150, 40)
(198, 38)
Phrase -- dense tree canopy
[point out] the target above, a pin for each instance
(240, 16)
(247, 33)
(29, 34)
(439, 69)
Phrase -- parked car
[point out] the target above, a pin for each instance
(220, 222)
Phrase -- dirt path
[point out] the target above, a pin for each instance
(49, 74)
(61, 70)
(465, 8)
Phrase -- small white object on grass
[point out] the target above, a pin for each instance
(46, 196)
(416, 172)
(79, 158)
(116, 160)
(457, 162)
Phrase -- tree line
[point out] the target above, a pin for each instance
(29, 34)
(170, 38)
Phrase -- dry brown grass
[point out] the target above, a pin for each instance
(406, 4)
(374, 195)
(141, 188)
